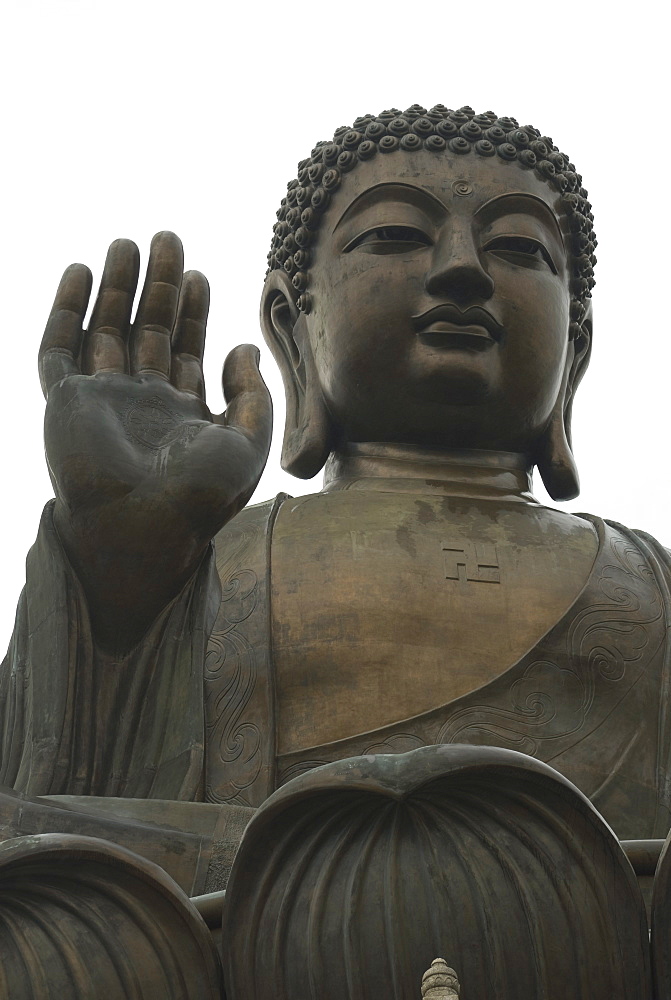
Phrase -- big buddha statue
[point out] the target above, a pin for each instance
(179, 657)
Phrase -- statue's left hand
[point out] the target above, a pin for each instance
(144, 474)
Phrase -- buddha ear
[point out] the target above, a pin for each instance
(555, 460)
(308, 434)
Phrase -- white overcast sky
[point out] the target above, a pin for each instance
(121, 119)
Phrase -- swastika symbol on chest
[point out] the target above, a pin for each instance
(476, 562)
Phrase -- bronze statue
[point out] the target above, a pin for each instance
(178, 658)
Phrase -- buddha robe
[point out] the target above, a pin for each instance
(191, 713)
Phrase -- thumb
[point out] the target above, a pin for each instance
(249, 409)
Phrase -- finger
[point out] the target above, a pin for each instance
(150, 336)
(188, 339)
(62, 338)
(249, 409)
(105, 347)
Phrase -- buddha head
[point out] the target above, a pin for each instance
(429, 285)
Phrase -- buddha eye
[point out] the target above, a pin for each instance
(522, 250)
(389, 239)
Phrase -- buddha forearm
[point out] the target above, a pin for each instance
(127, 579)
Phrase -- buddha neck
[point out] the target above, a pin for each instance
(402, 468)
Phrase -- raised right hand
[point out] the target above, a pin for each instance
(144, 474)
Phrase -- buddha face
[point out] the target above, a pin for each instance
(440, 303)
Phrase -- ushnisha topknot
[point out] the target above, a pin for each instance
(440, 129)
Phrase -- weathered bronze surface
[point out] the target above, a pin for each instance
(82, 918)
(177, 658)
(355, 874)
(661, 925)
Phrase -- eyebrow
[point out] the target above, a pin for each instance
(424, 200)
(419, 197)
(504, 204)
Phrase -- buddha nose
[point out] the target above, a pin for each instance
(456, 272)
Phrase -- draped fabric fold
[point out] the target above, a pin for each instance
(77, 721)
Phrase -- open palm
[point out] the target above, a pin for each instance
(144, 474)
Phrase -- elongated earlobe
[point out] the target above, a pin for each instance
(308, 434)
(554, 459)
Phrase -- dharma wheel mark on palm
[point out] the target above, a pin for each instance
(149, 421)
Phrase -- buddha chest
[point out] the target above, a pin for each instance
(386, 605)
